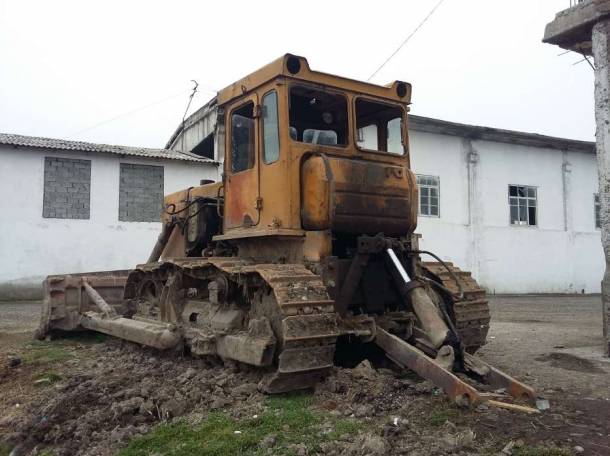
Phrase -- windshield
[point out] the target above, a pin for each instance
(318, 117)
(379, 126)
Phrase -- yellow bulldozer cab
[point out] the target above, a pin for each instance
(310, 151)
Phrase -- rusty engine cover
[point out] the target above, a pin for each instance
(357, 196)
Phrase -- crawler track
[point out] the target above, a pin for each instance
(291, 297)
(471, 313)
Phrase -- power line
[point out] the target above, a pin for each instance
(190, 100)
(133, 111)
(585, 58)
(406, 40)
(125, 114)
(187, 109)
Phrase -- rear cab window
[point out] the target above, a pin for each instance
(379, 126)
(318, 117)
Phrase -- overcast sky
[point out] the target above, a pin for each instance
(67, 67)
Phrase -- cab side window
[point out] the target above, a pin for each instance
(242, 138)
(271, 138)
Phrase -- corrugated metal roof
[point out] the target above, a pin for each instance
(66, 145)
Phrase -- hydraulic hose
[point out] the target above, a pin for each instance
(451, 273)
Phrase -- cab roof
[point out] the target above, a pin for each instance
(295, 67)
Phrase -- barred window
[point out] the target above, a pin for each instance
(429, 195)
(522, 200)
(597, 208)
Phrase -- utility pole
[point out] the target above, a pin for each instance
(584, 28)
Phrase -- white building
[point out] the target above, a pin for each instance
(554, 247)
(108, 221)
(466, 172)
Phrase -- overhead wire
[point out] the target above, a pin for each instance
(406, 40)
(187, 108)
(585, 58)
(141, 108)
(125, 114)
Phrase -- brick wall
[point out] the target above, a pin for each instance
(67, 186)
(140, 193)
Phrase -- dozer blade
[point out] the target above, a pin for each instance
(68, 297)
(410, 357)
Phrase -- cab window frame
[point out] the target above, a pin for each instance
(252, 164)
(322, 88)
(278, 129)
(403, 127)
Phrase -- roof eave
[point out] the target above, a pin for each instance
(443, 127)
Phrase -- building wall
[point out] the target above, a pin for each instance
(32, 247)
(562, 254)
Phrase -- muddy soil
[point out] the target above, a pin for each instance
(117, 390)
(103, 394)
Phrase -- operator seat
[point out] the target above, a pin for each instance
(323, 137)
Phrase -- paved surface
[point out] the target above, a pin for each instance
(554, 342)
(19, 316)
(18, 320)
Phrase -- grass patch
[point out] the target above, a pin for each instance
(291, 418)
(443, 413)
(46, 453)
(5, 450)
(541, 451)
(42, 352)
(47, 378)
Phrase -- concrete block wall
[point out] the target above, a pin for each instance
(67, 187)
(140, 193)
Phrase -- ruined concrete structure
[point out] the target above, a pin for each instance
(585, 29)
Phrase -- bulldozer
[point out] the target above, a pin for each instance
(305, 250)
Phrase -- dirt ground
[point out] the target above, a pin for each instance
(91, 395)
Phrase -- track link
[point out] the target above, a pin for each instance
(292, 297)
(471, 313)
